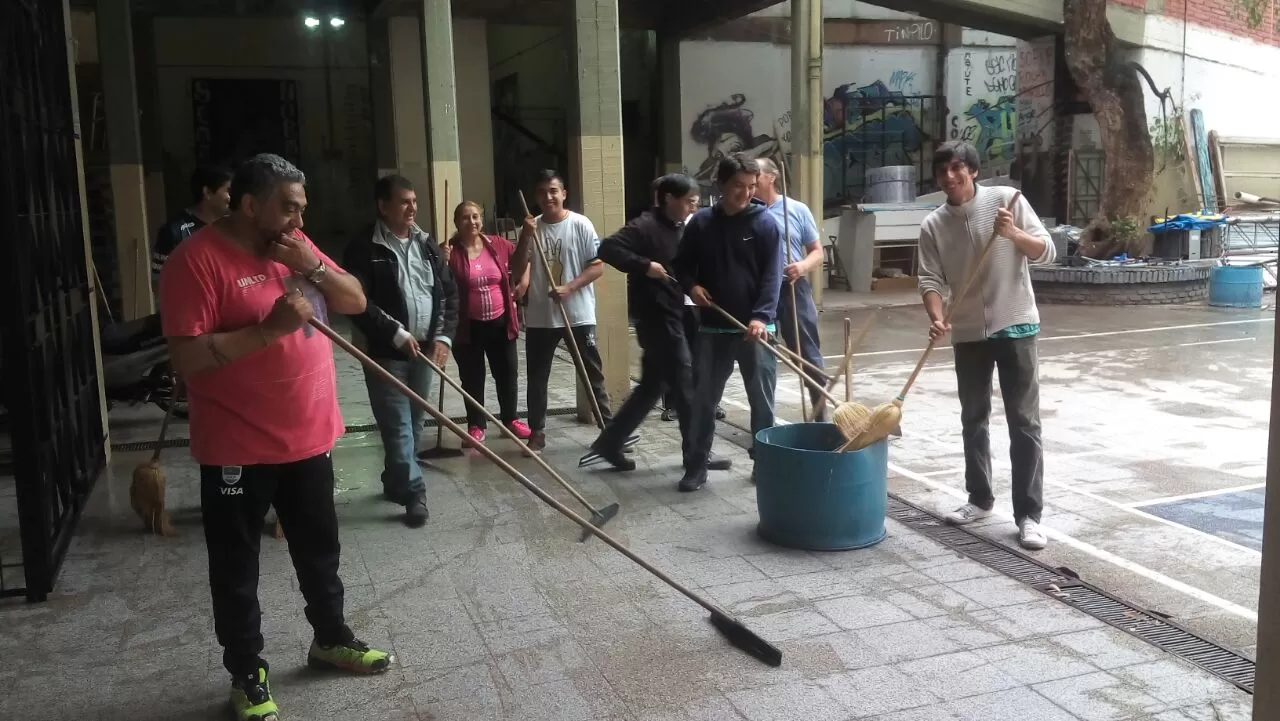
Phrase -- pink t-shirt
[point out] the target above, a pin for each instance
(275, 405)
(484, 283)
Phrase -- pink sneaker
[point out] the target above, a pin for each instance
(520, 428)
(477, 434)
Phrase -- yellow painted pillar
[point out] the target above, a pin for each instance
(807, 116)
(124, 150)
(1266, 698)
(440, 90)
(93, 288)
(596, 152)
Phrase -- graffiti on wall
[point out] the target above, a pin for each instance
(864, 127)
(731, 127)
(983, 107)
(868, 127)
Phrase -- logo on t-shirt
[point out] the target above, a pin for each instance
(251, 280)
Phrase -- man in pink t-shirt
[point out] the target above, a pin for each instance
(235, 300)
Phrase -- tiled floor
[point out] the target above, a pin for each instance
(496, 611)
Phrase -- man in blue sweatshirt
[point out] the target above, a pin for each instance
(731, 256)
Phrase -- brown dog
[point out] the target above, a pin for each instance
(146, 496)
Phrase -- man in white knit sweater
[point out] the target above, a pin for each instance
(993, 328)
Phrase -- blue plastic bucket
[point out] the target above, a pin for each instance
(1235, 286)
(813, 498)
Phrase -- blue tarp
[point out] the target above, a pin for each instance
(1189, 221)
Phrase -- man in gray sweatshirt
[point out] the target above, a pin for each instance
(993, 328)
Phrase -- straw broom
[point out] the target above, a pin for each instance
(887, 416)
(146, 492)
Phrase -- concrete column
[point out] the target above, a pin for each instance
(440, 89)
(382, 106)
(124, 149)
(412, 158)
(669, 106)
(93, 290)
(596, 151)
(807, 115)
(1266, 697)
(144, 61)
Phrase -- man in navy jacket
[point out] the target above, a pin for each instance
(731, 255)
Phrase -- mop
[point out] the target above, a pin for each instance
(887, 416)
(599, 516)
(733, 630)
(590, 457)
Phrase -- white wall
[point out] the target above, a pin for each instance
(839, 9)
(752, 81)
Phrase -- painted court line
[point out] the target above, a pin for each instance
(1100, 554)
(1193, 496)
(1100, 334)
(1072, 542)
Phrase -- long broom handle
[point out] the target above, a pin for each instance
(785, 361)
(510, 435)
(848, 351)
(795, 320)
(955, 303)
(568, 329)
(510, 470)
(168, 414)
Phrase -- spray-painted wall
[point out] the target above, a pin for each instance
(880, 107)
(982, 92)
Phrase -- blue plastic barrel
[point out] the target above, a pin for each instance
(813, 498)
(1235, 286)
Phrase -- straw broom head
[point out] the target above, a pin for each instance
(852, 419)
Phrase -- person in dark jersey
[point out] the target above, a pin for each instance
(210, 200)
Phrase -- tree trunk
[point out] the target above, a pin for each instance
(1111, 86)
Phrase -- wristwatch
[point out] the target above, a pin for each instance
(317, 275)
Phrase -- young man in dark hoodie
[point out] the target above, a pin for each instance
(644, 249)
(731, 255)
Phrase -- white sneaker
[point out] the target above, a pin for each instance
(1030, 536)
(968, 513)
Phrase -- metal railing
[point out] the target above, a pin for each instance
(53, 414)
(872, 127)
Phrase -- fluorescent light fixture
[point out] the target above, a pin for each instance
(311, 22)
(337, 22)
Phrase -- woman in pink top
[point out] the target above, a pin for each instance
(487, 320)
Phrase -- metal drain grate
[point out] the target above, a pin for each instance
(1067, 588)
(360, 428)
(1063, 585)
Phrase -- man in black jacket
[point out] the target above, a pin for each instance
(210, 200)
(644, 249)
(412, 307)
(731, 255)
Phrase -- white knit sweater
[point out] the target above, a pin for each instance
(951, 239)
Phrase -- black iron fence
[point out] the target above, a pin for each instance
(872, 127)
(50, 388)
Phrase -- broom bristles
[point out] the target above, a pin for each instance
(851, 418)
(883, 420)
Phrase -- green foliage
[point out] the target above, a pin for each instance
(1167, 139)
(1126, 233)
(1254, 12)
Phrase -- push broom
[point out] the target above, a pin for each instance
(440, 450)
(572, 342)
(599, 516)
(733, 630)
(886, 417)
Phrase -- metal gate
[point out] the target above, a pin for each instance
(51, 414)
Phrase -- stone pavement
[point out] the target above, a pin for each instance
(496, 611)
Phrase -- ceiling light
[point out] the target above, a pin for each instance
(337, 22)
(311, 22)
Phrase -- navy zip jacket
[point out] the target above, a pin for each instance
(650, 237)
(737, 258)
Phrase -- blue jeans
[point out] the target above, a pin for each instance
(400, 423)
(809, 349)
(714, 355)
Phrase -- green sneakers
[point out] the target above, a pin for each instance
(355, 657)
(251, 697)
